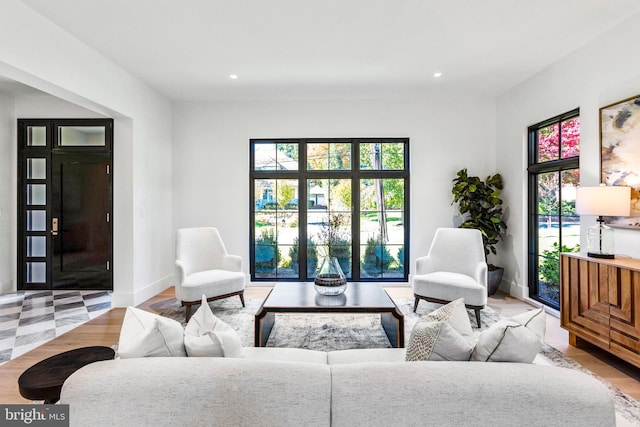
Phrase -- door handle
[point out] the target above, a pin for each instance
(54, 226)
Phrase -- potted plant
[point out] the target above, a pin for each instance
(480, 206)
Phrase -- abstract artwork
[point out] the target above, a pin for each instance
(620, 153)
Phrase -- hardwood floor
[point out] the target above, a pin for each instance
(105, 330)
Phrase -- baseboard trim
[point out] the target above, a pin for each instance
(126, 299)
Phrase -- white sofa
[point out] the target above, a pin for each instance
(296, 387)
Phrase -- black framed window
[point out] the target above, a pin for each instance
(554, 227)
(346, 198)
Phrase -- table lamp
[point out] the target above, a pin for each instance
(602, 201)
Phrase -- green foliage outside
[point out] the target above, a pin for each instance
(341, 191)
(377, 257)
(392, 194)
(548, 205)
(267, 253)
(290, 150)
(312, 256)
(391, 155)
(549, 269)
(285, 194)
(401, 258)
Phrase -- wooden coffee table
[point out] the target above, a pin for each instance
(43, 381)
(365, 298)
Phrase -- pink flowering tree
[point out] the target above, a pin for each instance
(555, 142)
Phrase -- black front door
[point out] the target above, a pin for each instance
(65, 203)
(81, 195)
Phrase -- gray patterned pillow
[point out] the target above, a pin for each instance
(455, 313)
(437, 341)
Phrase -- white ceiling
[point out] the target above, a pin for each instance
(186, 49)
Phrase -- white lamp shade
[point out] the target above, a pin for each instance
(604, 201)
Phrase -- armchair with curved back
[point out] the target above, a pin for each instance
(205, 268)
(454, 268)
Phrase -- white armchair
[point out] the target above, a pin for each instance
(205, 268)
(454, 268)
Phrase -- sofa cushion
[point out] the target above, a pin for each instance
(507, 341)
(145, 334)
(286, 354)
(462, 394)
(437, 341)
(206, 335)
(338, 357)
(199, 391)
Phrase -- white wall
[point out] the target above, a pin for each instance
(211, 154)
(8, 185)
(36, 52)
(603, 71)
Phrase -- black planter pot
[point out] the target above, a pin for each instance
(494, 278)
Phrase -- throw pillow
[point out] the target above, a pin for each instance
(145, 334)
(455, 313)
(207, 336)
(437, 341)
(506, 341)
(535, 320)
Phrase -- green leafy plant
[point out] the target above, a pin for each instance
(480, 205)
(549, 269)
(400, 258)
(267, 253)
(377, 257)
(312, 256)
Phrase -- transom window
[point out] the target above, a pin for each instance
(343, 198)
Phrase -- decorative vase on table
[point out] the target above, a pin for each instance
(330, 279)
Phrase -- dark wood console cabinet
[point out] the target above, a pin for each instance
(600, 303)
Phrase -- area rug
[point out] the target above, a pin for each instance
(340, 332)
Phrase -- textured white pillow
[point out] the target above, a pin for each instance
(506, 341)
(207, 336)
(534, 320)
(437, 341)
(145, 334)
(454, 313)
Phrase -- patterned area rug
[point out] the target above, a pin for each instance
(339, 332)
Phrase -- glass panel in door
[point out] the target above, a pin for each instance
(81, 136)
(34, 242)
(36, 136)
(558, 229)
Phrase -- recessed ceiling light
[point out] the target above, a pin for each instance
(233, 76)
(437, 74)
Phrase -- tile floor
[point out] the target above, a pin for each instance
(31, 318)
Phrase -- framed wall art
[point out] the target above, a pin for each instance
(620, 153)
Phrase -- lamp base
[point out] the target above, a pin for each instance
(600, 255)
